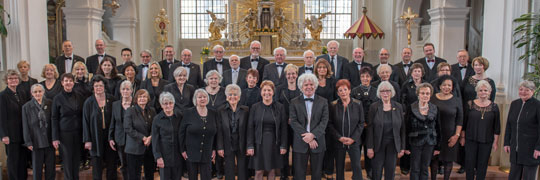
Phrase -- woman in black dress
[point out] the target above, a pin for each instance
(96, 122)
(480, 65)
(346, 125)
(326, 89)
(522, 133)
(66, 120)
(267, 134)
(51, 83)
(11, 128)
(183, 93)
(108, 70)
(26, 80)
(154, 84)
(451, 117)
(367, 95)
(129, 70)
(251, 94)
(197, 136)
(82, 85)
(216, 93)
(423, 131)
(37, 133)
(138, 127)
(385, 132)
(481, 126)
(165, 133)
(117, 135)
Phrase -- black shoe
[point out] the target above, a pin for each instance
(440, 170)
(220, 176)
(461, 170)
(284, 178)
(329, 177)
(405, 171)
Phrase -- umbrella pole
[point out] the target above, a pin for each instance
(363, 43)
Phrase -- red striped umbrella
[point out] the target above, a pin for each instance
(364, 28)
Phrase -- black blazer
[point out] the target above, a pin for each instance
(196, 138)
(194, 76)
(245, 63)
(456, 73)
(55, 90)
(139, 75)
(375, 126)
(423, 130)
(92, 62)
(25, 86)
(341, 62)
(302, 70)
(154, 92)
(400, 72)
(136, 127)
(11, 116)
(351, 72)
(60, 63)
(353, 121)
(393, 77)
(255, 125)
(212, 65)
(93, 130)
(227, 78)
(250, 96)
(165, 68)
(134, 85)
(408, 92)
(36, 135)
(271, 73)
(116, 127)
(224, 141)
(430, 74)
(523, 131)
(66, 115)
(184, 99)
(299, 121)
(165, 138)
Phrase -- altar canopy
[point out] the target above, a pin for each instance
(364, 28)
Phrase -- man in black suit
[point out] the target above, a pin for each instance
(308, 116)
(142, 69)
(351, 71)
(126, 54)
(384, 54)
(462, 70)
(235, 75)
(336, 61)
(193, 70)
(218, 63)
(309, 57)
(64, 63)
(169, 60)
(402, 68)
(254, 60)
(430, 62)
(92, 62)
(275, 71)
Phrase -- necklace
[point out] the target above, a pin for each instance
(213, 100)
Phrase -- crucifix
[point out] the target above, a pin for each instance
(409, 19)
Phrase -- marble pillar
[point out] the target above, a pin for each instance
(448, 25)
(83, 24)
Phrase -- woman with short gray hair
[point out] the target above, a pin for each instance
(522, 132)
(117, 135)
(182, 92)
(216, 94)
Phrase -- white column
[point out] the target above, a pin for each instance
(124, 23)
(83, 24)
(27, 35)
(448, 26)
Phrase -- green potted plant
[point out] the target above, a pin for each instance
(3, 29)
(527, 36)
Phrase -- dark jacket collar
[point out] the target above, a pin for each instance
(432, 112)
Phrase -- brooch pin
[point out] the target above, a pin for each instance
(366, 93)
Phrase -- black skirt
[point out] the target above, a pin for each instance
(267, 156)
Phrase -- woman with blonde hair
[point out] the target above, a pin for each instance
(51, 84)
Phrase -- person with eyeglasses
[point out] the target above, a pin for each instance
(254, 60)
(194, 76)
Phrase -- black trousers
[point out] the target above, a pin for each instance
(134, 163)
(476, 159)
(285, 171)
(518, 171)
(218, 165)
(300, 161)
(108, 160)
(43, 157)
(241, 165)
(170, 173)
(434, 166)
(355, 156)
(420, 160)
(367, 161)
(196, 168)
(70, 143)
(329, 155)
(17, 157)
(386, 157)
(123, 161)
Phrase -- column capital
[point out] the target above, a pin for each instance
(83, 13)
(448, 13)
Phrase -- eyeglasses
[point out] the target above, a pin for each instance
(385, 91)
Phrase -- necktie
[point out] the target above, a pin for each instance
(186, 65)
(309, 68)
(430, 60)
(308, 99)
(462, 67)
(220, 62)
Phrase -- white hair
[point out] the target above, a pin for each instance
(126, 83)
(146, 51)
(482, 83)
(232, 87)
(210, 73)
(385, 85)
(200, 90)
(218, 46)
(383, 49)
(187, 51)
(384, 66)
(281, 48)
(36, 86)
(307, 77)
(255, 42)
(234, 55)
(179, 70)
(166, 97)
(528, 84)
(332, 41)
(308, 51)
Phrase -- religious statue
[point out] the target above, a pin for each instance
(161, 24)
(279, 19)
(314, 25)
(216, 26)
(251, 19)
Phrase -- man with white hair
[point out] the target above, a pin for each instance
(193, 70)
(92, 62)
(218, 62)
(309, 116)
(235, 75)
(336, 61)
(275, 71)
(309, 58)
(254, 60)
(462, 70)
